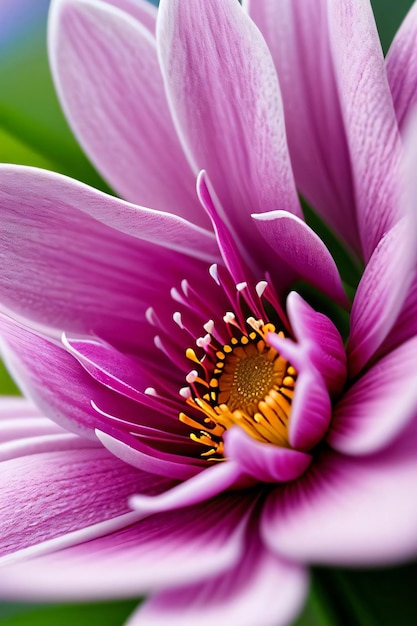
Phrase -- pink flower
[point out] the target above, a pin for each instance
(225, 436)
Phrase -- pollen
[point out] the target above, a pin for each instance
(244, 382)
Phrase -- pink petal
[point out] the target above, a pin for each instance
(262, 461)
(225, 101)
(60, 491)
(381, 293)
(185, 546)
(52, 378)
(16, 408)
(107, 75)
(63, 268)
(343, 135)
(260, 590)
(405, 325)
(349, 511)
(141, 10)
(298, 246)
(315, 128)
(401, 64)
(378, 406)
(369, 117)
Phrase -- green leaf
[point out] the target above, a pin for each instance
(7, 385)
(389, 15)
(102, 614)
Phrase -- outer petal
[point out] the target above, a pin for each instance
(225, 101)
(381, 294)
(141, 10)
(343, 134)
(401, 66)
(165, 550)
(349, 511)
(369, 118)
(378, 406)
(107, 75)
(299, 246)
(406, 323)
(62, 267)
(61, 491)
(260, 590)
(298, 38)
(53, 379)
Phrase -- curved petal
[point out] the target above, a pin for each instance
(225, 101)
(320, 340)
(164, 550)
(260, 589)
(262, 461)
(205, 485)
(379, 405)
(63, 267)
(401, 64)
(381, 294)
(299, 246)
(138, 454)
(315, 128)
(350, 511)
(107, 76)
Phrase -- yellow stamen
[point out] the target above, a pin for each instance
(251, 385)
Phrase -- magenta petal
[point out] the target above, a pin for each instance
(107, 75)
(318, 357)
(320, 341)
(260, 589)
(263, 461)
(97, 279)
(401, 64)
(378, 406)
(182, 547)
(213, 61)
(140, 455)
(299, 246)
(350, 511)
(381, 294)
(311, 406)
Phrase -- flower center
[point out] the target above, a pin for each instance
(247, 383)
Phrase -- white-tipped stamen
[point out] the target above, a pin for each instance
(260, 288)
(208, 327)
(214, 273)
(177, 319)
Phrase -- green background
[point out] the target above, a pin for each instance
(34, 132)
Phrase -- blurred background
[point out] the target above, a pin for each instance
(34, 132)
